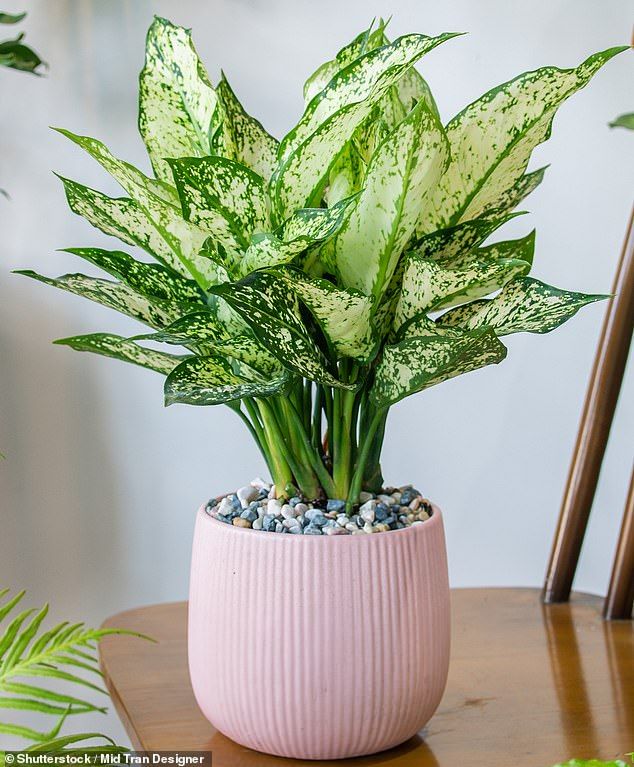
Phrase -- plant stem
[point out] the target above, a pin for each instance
(280, 469)
(311, 455)
(357, 478)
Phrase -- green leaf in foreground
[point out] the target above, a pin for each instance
(524, 306)
(420, 362)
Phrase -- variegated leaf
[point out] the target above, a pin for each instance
(400, 178)
(343, 315)
(417, 363)
(346, 175)
(252, 145)
(311, 148)
(522, 249)
(202, 327)
(223, 198)
(422, 325)
(245, 348)
(427, 286)
(515, 194)
(446, 246)
(176, 99)
(304, 228)
(211, 380)
(524, 306)
(367, 40)
(273, 315)
(115, 295)
(125, 219)
(120, 348)
(492, 139)
(154, 280)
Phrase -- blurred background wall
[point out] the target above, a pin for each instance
(100, 482)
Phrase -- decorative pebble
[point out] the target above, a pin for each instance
(247, 494)
(256, 506)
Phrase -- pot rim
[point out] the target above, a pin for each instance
(429, 524)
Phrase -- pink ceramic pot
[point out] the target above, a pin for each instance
(318, 647)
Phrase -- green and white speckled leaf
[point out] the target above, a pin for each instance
(161, 205)
(522, 249)
(246, 348)
(123, 349)
(365, 41)
(153, 280)
(346, 175)
(515, 194)
(223, 198)
(132, 180)
(171, 240)
(309, 151)
(343, 315)
(492, 139)
(400, 177)
(211, 380)
(273, 315)
(427, 286)
(303, 228)
(252, 145)
(417, 363)
(524, 306)
(176, 99)
(201, 327)
(447, 246)
(152, 312)
(422, 325)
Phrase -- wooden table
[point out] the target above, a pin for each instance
(528, 686)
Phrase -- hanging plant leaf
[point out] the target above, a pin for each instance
(176, 99)
(417, 363)
(401, 175)
(524, 306)
(109, 345)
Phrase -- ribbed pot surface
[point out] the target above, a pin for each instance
(318, 647)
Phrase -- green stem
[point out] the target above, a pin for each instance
(357, 478)
(292, 444)
(316, 424)
(311, 455)
(280, 468)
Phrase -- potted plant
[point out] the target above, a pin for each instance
(315, 282)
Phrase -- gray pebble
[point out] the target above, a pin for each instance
(312, 530)
(249, 515)
(336, 505)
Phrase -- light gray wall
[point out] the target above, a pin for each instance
(100, 483)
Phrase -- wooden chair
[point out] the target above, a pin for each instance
(532, 681)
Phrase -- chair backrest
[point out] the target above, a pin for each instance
(594, 429)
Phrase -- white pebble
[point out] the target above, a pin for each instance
(335, 530)
(366, 512)
(247, 494)
(386, 499)
(273, 492)
(260, 484)
(288, 512)
(257, 523)
(301, 508)
(352, 526)
(225, 506)
(273, 507)
(415, 504)
(343, 519)
(290, 522)
(367, 528)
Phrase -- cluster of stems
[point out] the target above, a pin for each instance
(319, 440)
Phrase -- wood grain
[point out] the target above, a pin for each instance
(529, 685)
